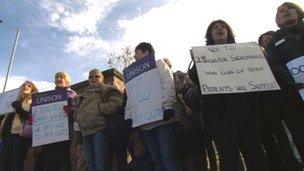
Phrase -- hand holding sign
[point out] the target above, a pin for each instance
(69, 110)
(168, 114)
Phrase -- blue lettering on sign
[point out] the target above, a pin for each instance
(47, 108)
(143, 95)
(147, 116)
(297, 70)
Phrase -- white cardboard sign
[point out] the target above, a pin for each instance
(50, 123)
(233, 68)
(6, 100)
(144, 104)
(296, 68)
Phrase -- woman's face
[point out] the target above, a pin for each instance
(95, 79)
(27, 88)
(286, 16)
(60, 81)
(219, 33)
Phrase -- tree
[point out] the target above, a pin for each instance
(122, 60)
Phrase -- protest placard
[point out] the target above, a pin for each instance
(6, 100)
(50, 122)
(143, 88)
(233, 68)
(296, 68)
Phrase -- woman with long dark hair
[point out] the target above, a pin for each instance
(227, 116)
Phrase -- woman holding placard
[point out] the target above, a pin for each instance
(16, 136)
(57, 155)
(227, 116)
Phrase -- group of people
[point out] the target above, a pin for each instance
(256, 131)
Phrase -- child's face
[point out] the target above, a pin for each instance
(140, 54)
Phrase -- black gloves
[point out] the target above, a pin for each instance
(168, 114)
(298, 85)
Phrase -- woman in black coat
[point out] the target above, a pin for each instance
(230, 117)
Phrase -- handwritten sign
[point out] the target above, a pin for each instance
(6, 100)
(50, 122)
(144, 104)
(296, 68)
(233, 68)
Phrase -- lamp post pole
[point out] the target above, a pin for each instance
(11, 56)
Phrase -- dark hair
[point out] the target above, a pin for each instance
(209, 38)
(144, 47)
(264, 34)
(291, 5)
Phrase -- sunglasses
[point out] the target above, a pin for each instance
(94, 76)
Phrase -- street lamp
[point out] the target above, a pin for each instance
(12, 53)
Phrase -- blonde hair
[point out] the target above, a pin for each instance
(26, 97)
(66, 76)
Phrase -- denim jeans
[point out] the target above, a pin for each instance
(96, 150)
(160, 142)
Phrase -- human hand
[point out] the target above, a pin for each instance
(69, 110)
(168, 114)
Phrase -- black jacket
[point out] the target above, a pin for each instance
(287, 45)
(215, 106)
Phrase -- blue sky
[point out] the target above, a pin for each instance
(78, 35)
(47, 44)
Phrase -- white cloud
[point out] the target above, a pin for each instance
(85, 75)
(17, 81)
(84, 45)
(55, 17)
(174, 28)
(80, 23)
